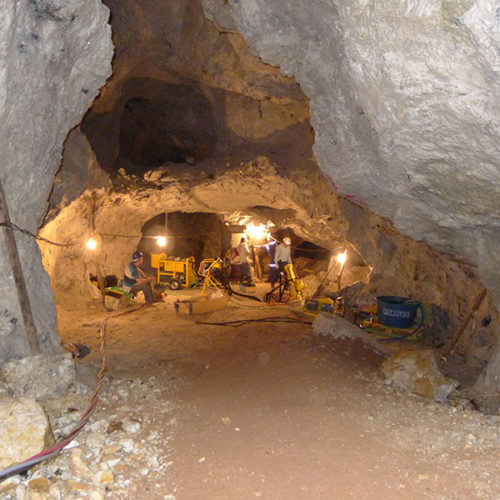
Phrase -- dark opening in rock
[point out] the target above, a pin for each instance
(173, 123)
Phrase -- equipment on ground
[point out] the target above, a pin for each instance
(211, 271)
(174, 272)
(334, 306)
(297, 286)
(202, 304)
(397, 312)
(289, 287)
(372, 319)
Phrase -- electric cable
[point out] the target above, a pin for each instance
(219, 276)
(55, 449)
(232, 292)
(270, 319)
(269, 307)
(12, 226)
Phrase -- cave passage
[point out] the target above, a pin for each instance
(174, 123)
(186, 126)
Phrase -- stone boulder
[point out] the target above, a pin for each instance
(326, 324)
(39, 377)
(54, 57)
(417, 372)
(25, 430)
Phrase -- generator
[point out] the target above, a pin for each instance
(173, 271)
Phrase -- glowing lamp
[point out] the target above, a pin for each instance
(256, 232)
(341, 257)
(161, 241)
(91, 244)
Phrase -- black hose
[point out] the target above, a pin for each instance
(219, 276)
(231, 292)
(270, 319)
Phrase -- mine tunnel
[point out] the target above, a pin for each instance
(250, 249)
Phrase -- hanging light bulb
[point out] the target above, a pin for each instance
(341, 258)
(161, 241)
(255, 233)
(91, 244)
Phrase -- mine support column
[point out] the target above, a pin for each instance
(17, 271)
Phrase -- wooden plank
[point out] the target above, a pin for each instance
(459, 333)
(199, 306)
(17, 271)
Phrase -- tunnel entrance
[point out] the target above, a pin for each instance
(166, 123)
(199, 235)
(245, 129)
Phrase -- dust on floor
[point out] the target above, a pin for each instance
(262, 410)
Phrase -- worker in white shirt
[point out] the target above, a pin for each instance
(244, 253)
(283, 254)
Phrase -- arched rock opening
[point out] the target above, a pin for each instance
(253, 157)
(197, 234)
(377, 139)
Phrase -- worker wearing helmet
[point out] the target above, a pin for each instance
(135, 280)
(283, 254)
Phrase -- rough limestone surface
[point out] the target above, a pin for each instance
(25, 430)
(54, 56)
(417, 372)
(39, 377)
(178, 84)
(405, 103)
(404, 100)
(79, 171)
(304, 204)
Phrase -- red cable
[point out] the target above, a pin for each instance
(63, 442)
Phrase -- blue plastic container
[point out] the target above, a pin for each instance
(398, 312)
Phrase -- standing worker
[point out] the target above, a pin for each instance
(283, 254)
(135, 280)
(270, 246)
(244, 252)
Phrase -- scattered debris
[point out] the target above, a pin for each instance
(417, 372)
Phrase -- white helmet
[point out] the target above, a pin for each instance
(287, 241)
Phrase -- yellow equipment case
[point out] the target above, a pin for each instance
(174, 272)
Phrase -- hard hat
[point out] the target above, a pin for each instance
(287, 241)
(137, 255)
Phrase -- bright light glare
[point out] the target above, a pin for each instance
(341, 257)
(161, 240)
(91, 244)
(256, 233)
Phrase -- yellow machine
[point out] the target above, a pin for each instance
(208, 269)
(175, 273)
(325, 304)
(297, 286)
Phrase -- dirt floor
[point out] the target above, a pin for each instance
(262, 410)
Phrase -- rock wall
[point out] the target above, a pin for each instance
(404, 99)
(405, 102)
(183, 88)
(78, 172)
(54, 56)
(303, 203)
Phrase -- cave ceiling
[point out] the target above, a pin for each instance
(405, 104)
(402, 96)
(183, 91)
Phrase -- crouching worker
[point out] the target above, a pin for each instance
(135, 280)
